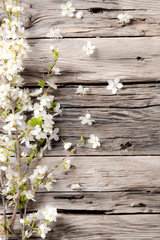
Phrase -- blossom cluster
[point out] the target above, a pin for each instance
(28, 121)
(38, 222)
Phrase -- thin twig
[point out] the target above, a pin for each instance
(3, 202)
(19, 171)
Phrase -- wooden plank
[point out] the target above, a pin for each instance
(104, 227)
(113, 58)
(131, 117)
(106, 173)
(100, 18)
(109, 202)
(97, 202)
(130, 97)
(39, 19)
(127, 124)
(108, 4)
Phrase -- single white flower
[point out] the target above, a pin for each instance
(43, 229)
(49, 186)
(67, 9)
(36, 92)
(56, 71)
(76, 186)
(86, 119)
(124, 18)
(79, 15)
(22, 221)
(3, 168)
(52, 84)
(42, 169)
(55, 134)
(57, 109)
(29, 195)
(23, 154)
(94, 140)
(38, 133)
(50, 213)
(52, 48)
(81, 90)
(54, 33)
(67, 145)
(89, 48)
(46, 100)
(67, 164)
(114, 85)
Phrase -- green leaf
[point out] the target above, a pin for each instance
(41, 83)
(41, 141)
(51, 66)
(82, 138)
(32, 155)
(53, 104)
(35, 121)
(20, 206)
(14, 190)
(56, 53)
(23, 188)
(5, 225)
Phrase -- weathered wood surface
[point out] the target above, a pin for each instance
(114, 57)
(120, 196)
(112, 185)
(107, 173)
(100, 18)
(104, 227)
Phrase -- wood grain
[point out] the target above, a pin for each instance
(120, 195)
(100, 18)
(104, 227)
(113, 58)
(107, 202)
(106, 173)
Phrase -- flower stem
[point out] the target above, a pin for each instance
(18, 160)
(3, 202)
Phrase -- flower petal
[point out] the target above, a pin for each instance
(114, 90)
(119, 85)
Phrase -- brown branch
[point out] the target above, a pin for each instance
(3, 202)
(19, 172)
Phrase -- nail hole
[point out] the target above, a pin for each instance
(126, 145)
(140, 58)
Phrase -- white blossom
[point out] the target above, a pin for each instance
(29, 195)
(49, 186)
(54, 33)
(54, 134)
(79, 15)
(67, 164)
(43, 229)
(50, 213)
(52, 84)
(67, 9)
(22, 221)
(56, 71)
(124, 18)
(67, 145)
(94, 140)
(86, 119)
(46, 100)
(38, 133)
(57, 109)
(82, 90)
(114, 85)
(76, 186)
(36, 92)
(89, 48)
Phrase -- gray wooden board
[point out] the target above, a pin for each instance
(120, 196)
